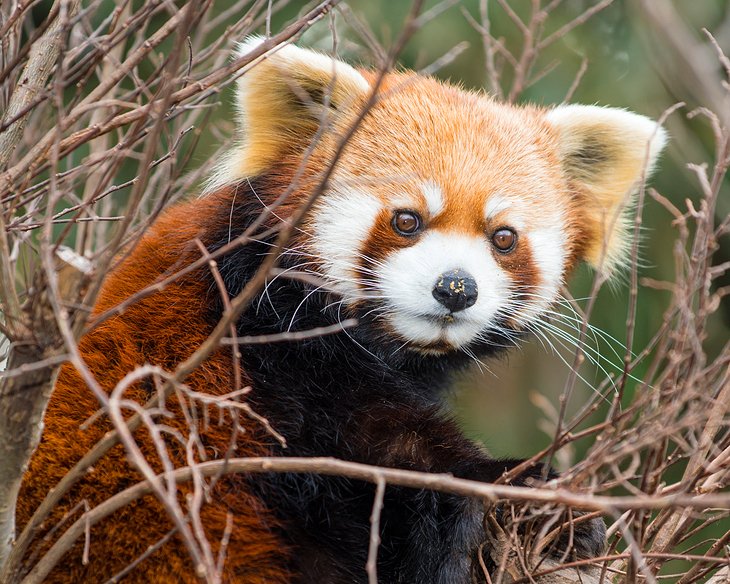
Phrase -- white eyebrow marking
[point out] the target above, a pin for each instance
(434, 197)
(495, 205)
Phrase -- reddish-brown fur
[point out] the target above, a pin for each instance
(164, 328)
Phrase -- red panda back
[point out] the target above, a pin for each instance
(164, 328)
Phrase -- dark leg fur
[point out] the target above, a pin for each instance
(426, 536)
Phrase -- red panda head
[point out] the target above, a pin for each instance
(450, 216)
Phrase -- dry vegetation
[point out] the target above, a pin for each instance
(101, 112)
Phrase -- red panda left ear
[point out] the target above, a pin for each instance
(281, 102)
(606, 152)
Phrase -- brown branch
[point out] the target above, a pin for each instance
(292, 336)
(564, 30)
(373, 474)
(371, 565)
(43, 56)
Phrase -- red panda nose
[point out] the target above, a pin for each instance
(456, 290)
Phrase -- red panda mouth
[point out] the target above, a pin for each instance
(434, 333)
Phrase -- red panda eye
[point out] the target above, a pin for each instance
(504, 239)
(406, 222)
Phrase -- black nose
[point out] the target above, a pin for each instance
(456, 290)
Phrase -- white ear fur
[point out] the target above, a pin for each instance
(606, 152)
(280, 101)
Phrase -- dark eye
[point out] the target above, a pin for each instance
(504, 239)
(406, 222)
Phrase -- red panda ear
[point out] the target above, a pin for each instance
(281, 102)
(606, 152)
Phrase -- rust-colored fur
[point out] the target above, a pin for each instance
(164, 328)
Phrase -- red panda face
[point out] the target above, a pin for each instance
(450, 218)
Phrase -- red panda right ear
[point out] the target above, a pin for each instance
(281, 101)
(605, 154)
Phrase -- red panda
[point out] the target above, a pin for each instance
(446, 229)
